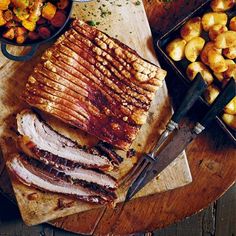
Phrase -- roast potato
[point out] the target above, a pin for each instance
(204, 52)
(232, 24)
(230, 53)
(191, 29)
(212, 18)
(222, 5)
(216, 61)
(4, 4)
(2, 19)
(226, 40)
(211, 93)
(215, 30)
(220, 76)
(196, 67)
(230, 72)
(230, 120)
(193, 48)
(175, 49)
(231, 107)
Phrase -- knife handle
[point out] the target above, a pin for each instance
(225, 96)
(196, 89)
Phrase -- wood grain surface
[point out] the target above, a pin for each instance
(212, 159)
(217, 220)
(47, 206)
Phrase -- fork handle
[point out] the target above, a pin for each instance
(196, 89)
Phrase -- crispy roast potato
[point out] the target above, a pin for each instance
(175, 49)
(193, 48)
(196, 67)
(230, 120)
(230, 72)
(232, 24)
(211, 94)
(231, 107)
(204, 53)
(220, 76)
(191, 29)
(215, 30)
(213, 18)
(230, 53)
(216, 61)
(226, 40)
(222, 5)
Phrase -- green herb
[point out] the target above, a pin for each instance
(137, 3)
(104, 12)
(91, 22)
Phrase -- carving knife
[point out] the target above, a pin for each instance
(179, 140)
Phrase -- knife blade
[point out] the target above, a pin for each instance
(179, 140)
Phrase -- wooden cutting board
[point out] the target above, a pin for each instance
(125, 20)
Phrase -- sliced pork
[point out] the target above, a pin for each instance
(41, 141)
(47, 178)
(96, 83)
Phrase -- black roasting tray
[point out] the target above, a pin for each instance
(181, 66)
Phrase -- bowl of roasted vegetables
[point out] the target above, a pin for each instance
(31, 23)
(205, 42)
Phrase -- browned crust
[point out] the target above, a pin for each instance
(96, 83)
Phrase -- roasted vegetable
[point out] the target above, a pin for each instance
(62, 4)
(9, 34)
(226, 40)
(49, 11)
(230, 120)
(35, 11)
(230, 53)
(213, 18)
(175, 49)
(222, 5)
(22, 4)
(199, 67)
(33, 35)
(220, 76)
(211, 93)
(206, 49)
(21, 14)
(29, 25)
(44, 32)
(21, 39)
(8, 15)
(193, 48)
(4, 4)
(59, 19)
(215, 30)
(2, 19)
(231, 107)
(216, 61)
(232, 24)
(11, 24)
(230, 72)
(191, 29)
(39, 16)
